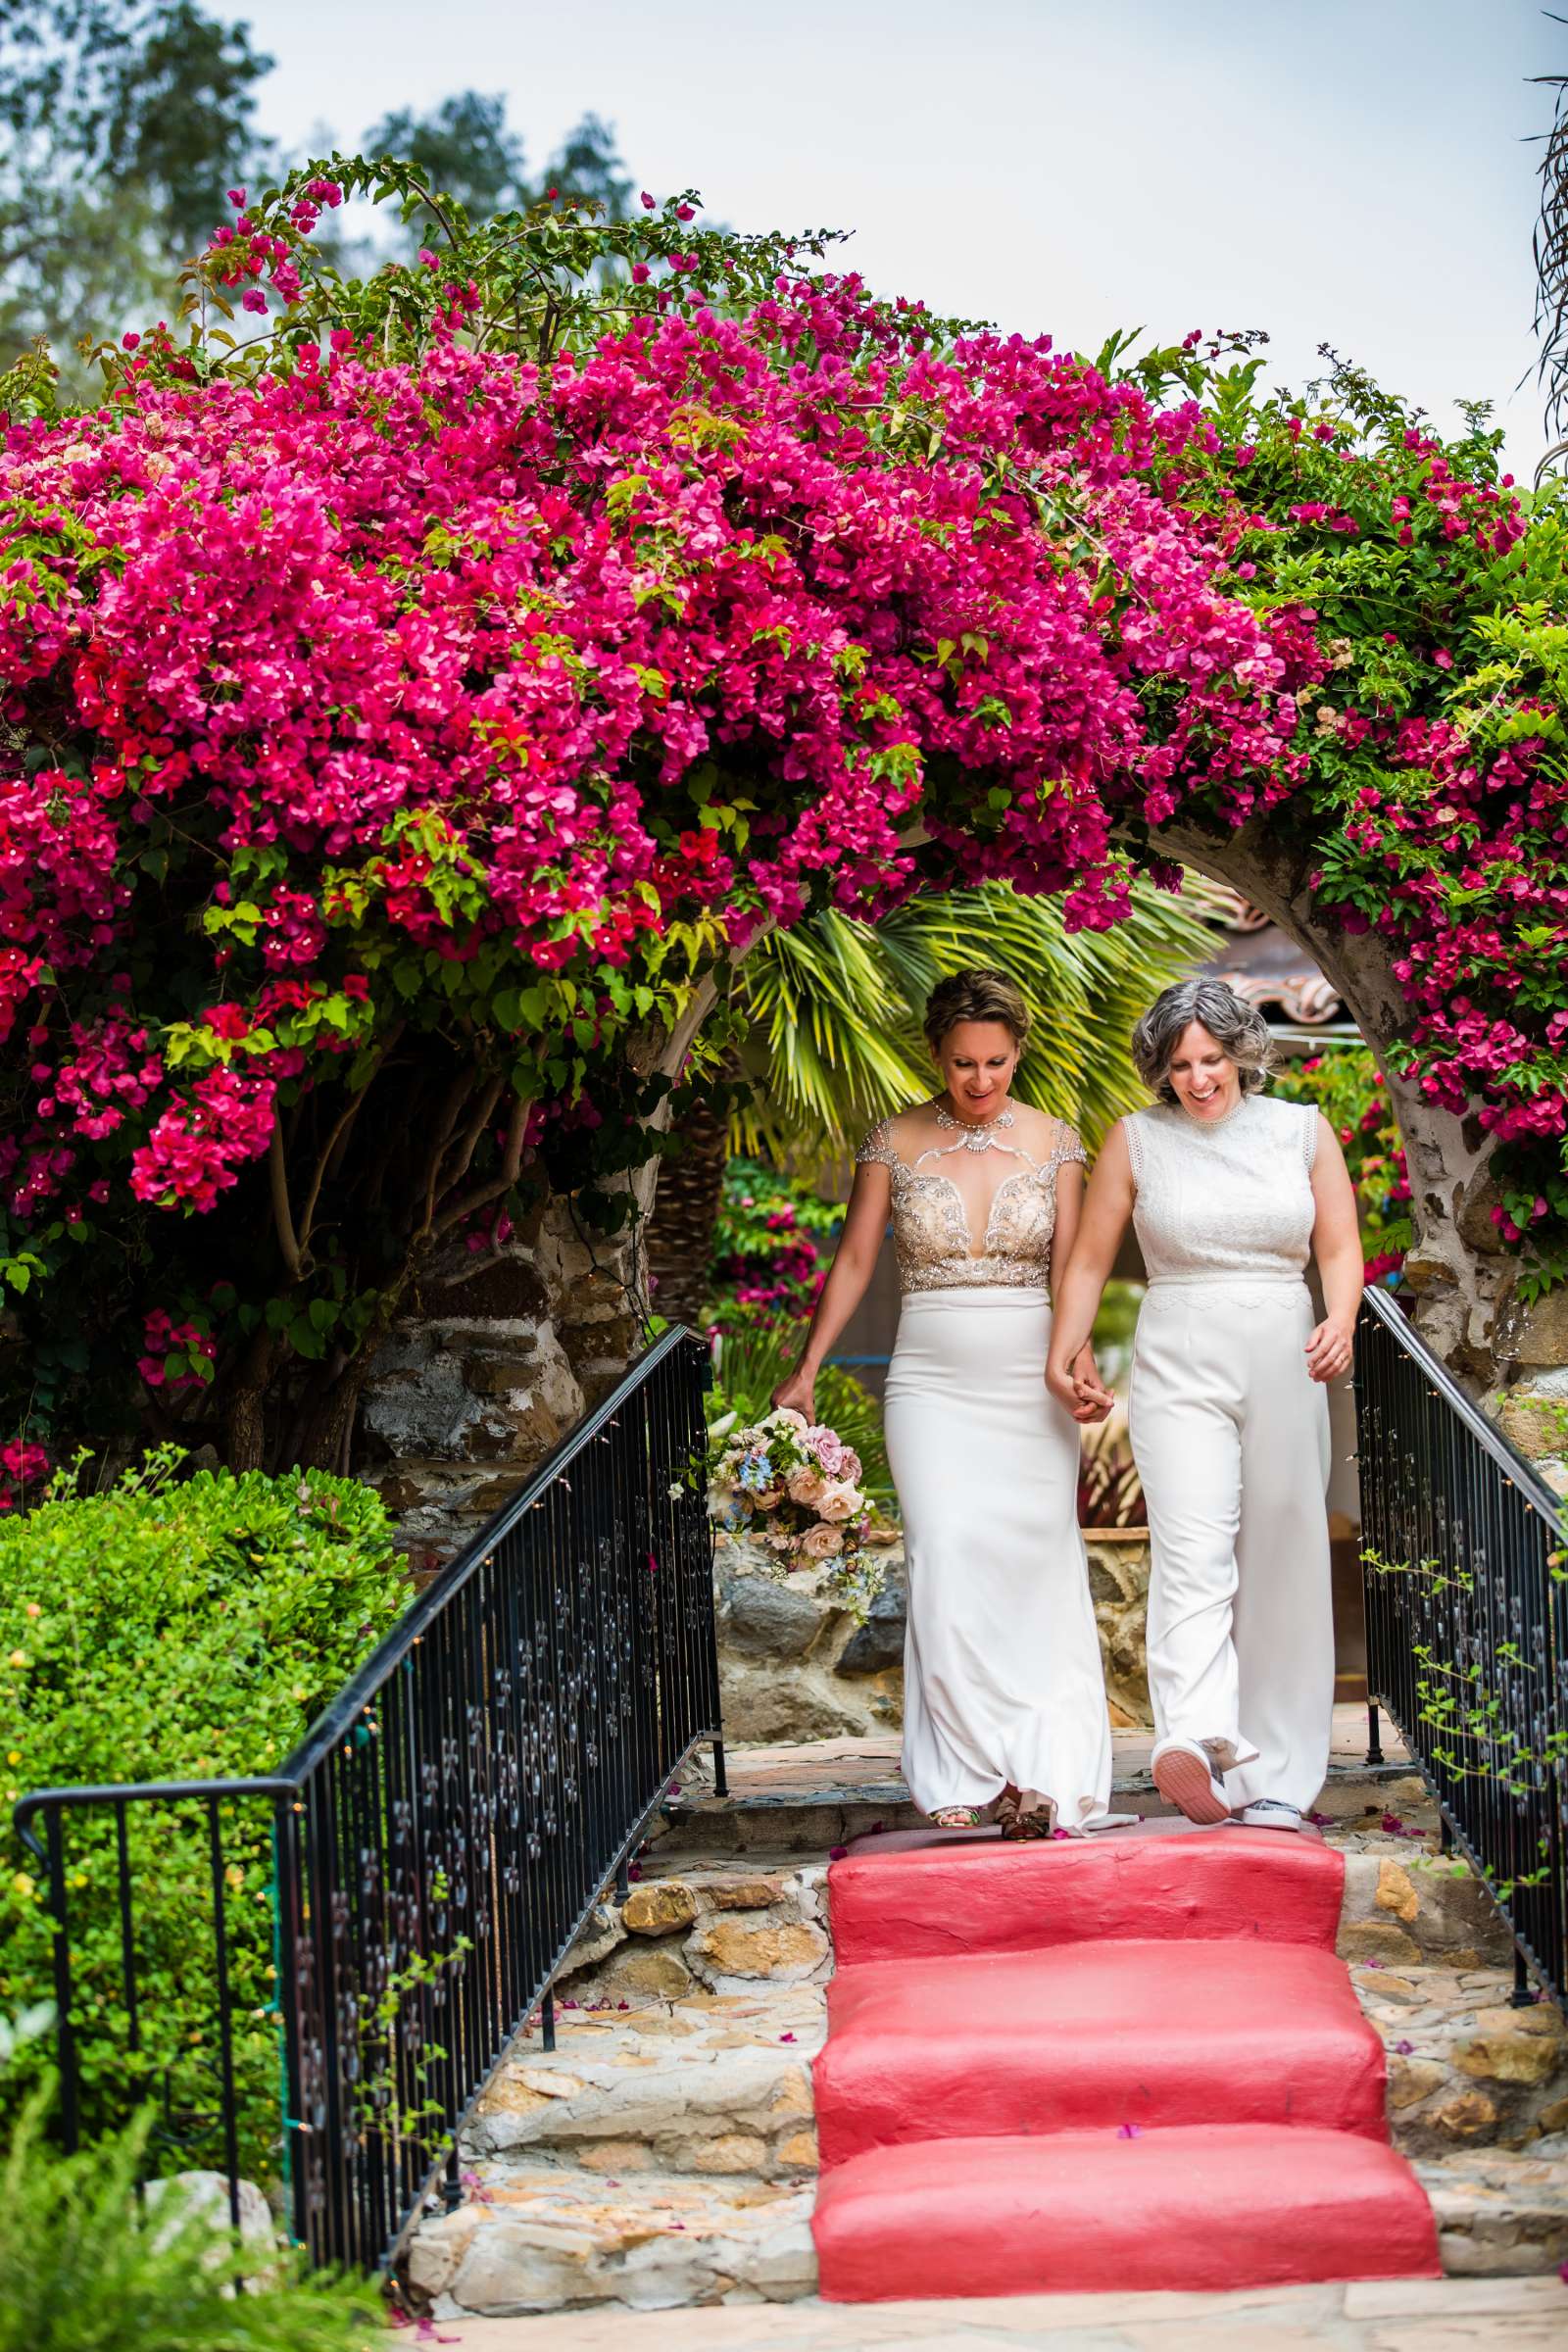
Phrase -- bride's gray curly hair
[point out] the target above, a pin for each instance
(1231, 1021)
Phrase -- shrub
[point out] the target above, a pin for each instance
(772, 1246)
(173, 1630)
(82, 2269)
(1344, 1084)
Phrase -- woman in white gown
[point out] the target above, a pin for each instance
(1231, 1193)
(1003, 1697)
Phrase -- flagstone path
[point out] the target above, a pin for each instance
(1415, 2315)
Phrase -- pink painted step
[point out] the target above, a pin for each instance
(1080, 2036)
(1194, 2209)
(948, 1897)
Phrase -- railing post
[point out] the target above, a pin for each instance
(1374, 1734)
(65, 2032)
(1524, 1992)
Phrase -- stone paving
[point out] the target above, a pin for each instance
(1446, 2314)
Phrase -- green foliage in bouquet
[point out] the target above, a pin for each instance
(1345, 1086)
(171, 1630)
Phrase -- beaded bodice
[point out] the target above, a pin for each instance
(931, 1234)
(1228, 1201)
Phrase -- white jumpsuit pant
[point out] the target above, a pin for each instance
(1231, 1437)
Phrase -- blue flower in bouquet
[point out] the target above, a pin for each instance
(757, 1472)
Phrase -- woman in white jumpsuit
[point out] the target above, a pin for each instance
(1229, 1192)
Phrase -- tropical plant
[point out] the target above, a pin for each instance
(834, 1009)
(86, 2266)
(1111, 1492)
(1550, 249)
(172, 1629)
(1344, 1084)
(831, 1016)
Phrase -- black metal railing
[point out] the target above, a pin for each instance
(1467, 1628)
(436, 1842)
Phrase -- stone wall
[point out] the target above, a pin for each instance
(792, 1666)
(1533, 1413)
(500, 1353)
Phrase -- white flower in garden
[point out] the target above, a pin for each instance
(724, 1425)
(789, 1416)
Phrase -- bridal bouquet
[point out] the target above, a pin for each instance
(792, 1487)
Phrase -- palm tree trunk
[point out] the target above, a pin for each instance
(685, 1212)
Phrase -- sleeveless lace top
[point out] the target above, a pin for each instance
(931, 1236)
(1231, 1203)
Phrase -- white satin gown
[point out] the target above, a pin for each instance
(1002, 1672)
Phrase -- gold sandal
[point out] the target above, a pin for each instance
(1025, 1813)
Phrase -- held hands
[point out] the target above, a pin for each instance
(1329, 1349)
(1080, 1388)
(798, 1392)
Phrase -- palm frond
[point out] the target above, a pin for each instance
(835, 1007)
(1551, 256)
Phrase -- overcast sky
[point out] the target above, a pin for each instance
(1349, 171)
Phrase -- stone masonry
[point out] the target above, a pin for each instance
(795, 1666)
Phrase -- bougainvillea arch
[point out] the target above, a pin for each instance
(407, 723)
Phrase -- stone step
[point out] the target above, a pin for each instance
(936, 1898)
(1501, 2213)
(566, 2239)
(1467, 2069)
(662, 2155)
(1094, 2037)
(1066, 2212)
(602, 2171)
(713, 2085)
(807, 1799)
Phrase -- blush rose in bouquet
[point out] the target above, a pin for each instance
(792, 1487)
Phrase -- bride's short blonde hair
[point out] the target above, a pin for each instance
(978, 994)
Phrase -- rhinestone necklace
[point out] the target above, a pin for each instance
(976, 1133)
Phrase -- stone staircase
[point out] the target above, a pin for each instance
(665, 2153)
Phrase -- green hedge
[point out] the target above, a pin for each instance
(172, 1628)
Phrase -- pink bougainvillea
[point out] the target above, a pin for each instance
(419, 693)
